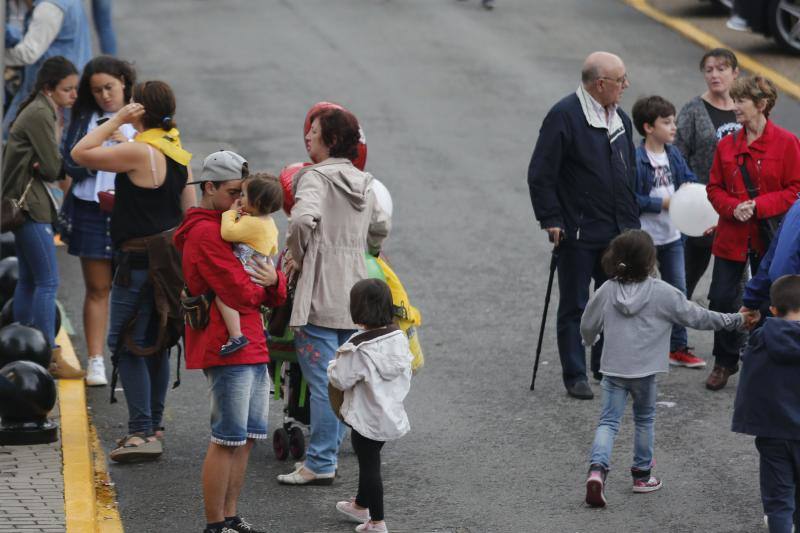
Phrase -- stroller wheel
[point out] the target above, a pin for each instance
(297, 442)
(280, 444)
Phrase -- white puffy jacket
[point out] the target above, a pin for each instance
(373, 369)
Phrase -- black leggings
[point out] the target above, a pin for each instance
(370, 484)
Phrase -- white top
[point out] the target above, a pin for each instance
(659, 225)
(375, 376)
(87, 189)
(46, 21)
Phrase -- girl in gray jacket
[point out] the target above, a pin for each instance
(635, 312)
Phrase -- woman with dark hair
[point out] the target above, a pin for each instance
(106, 85)
(31, 160)
(150, 199)
(702, 123)
(335, 213)
(753, 179)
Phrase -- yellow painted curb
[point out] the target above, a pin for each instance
(705, 40)
(81, 510)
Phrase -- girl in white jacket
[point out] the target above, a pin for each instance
(373, 368)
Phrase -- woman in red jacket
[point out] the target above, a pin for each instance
(771, 156)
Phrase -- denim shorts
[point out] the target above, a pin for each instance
(90, 231)
(239, 403)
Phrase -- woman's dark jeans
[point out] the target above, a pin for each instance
(35, 294)
(144, 379)
(725, 296)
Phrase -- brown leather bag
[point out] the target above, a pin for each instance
(12, 212)
(196, 310)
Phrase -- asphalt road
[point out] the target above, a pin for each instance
(451, 98)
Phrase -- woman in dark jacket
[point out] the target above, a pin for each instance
(105, 87)
(701, 124)
(30, 162)
(768, 157)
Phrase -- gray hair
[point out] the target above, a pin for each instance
(590, 74)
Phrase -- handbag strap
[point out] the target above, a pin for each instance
(25, 192)
(752, 190)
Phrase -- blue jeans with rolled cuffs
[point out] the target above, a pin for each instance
(615, 397)
(316, 347)
(144, 379)
(35, 294)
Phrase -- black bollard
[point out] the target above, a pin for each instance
(7, 316)
(24, 343)
(27, 395)
(9, 275)
(7, 246)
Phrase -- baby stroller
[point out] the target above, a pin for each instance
(289, 439)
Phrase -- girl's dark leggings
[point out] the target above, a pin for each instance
(370, 484)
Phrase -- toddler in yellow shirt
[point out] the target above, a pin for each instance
(249, 226)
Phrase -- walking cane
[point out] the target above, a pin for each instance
(553, 264)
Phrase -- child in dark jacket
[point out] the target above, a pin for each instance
(660, 171)
(768, 404)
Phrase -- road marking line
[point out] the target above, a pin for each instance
(81, 509)
(693, 33)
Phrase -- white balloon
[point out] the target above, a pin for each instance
(383, 196)
(690, 210)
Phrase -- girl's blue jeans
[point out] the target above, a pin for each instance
(35, 295)
(144, 379)
(316, 347)
(615, 397)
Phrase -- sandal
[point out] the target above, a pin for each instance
(136, 447)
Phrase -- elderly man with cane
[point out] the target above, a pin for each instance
(581, 179)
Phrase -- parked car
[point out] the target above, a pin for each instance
(779, 19)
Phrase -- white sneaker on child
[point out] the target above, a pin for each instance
(371, 527)
(96, 372)
(349, 509)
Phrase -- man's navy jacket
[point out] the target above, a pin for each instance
(581, 182)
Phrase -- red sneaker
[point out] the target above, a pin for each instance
(595, 486)
(685, 357)
(645, 484)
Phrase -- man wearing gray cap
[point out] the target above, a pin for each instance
(211, 269)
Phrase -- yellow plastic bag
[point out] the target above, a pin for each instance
(407, 317)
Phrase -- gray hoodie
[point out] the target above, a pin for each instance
(637, 319)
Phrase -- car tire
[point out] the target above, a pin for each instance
(784, 23)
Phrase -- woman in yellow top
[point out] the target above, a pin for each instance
(250, 227)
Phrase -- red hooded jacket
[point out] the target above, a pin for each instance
(209, 264)
(773, 162)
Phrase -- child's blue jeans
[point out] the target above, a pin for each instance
(780, 482)
(615, 397)
(671, 266)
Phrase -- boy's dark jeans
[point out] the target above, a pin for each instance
(780, 482)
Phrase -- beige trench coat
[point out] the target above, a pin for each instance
(335, 216)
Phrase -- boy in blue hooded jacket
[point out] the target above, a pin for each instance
(768, 404)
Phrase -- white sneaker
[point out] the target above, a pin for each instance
(96, 372)
(737, 23)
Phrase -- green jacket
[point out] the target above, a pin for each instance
(32, 139)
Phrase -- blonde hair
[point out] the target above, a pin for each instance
(757, 89)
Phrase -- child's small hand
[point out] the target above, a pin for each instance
(237, 205)
(751, 317)
(665, 203)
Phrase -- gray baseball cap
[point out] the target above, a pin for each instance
(222, 166)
